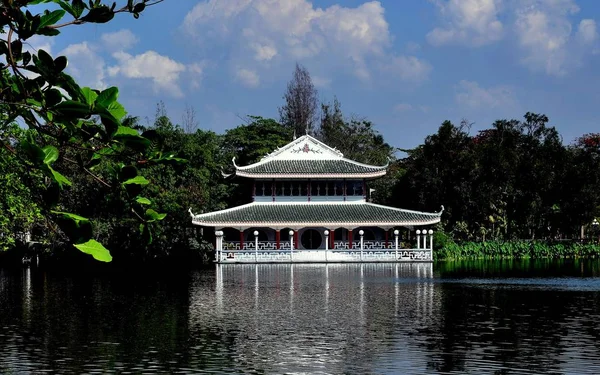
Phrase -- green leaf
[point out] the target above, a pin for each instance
(107, 97)
(44, 61)
(51, 154)
(125, 131)
(56, 176)
(153, 215)
(60, 64)
(78, 7)
(101, 14)
(67, 7)
(67, 215)
(34, 151)
(137, 180)
(51, 18)
(117, 110)
(89, 95)
(103, 152)
(53, 97)
(73, 108)
(142, 200)
(95, 249)
(111, 124)
(48, 31)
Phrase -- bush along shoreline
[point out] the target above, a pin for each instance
(520, 249)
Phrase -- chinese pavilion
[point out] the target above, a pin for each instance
(310, 205)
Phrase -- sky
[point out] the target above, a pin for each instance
(405, 65)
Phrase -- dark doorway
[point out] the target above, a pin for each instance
(311, 239)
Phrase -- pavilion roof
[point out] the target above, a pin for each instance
(305, 214)
(307, 157)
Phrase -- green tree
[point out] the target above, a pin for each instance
(18, 212)
(248, 144)
(36, 91)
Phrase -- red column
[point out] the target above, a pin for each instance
(295, 240)
(241, 240)
(331, 239)
(277, 238)
(386, 238)
(350, 244)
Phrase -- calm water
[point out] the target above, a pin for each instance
(490, 317)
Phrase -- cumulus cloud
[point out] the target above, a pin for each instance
(354, 39)
(586, 32)
(471, 94)
(90, 68)
(545, 34)
(247, 77)
(409, 68)
(407, 107)
(162, 70)
(470, 22)
(121, 40)
(86, 65)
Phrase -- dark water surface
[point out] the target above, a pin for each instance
(462, 317)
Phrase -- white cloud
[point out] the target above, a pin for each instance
(38, 42)
(340, 37)
(409, 68)
(121, 40)
(407, 107)
(321, 82)
(264, 52)
(247, 77)
(470, 94)
(85, 65)
(162, 70)
(196, 73)
(544, 33)
(586, 32)
(469, 22)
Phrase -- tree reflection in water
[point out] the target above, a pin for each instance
(478, 317)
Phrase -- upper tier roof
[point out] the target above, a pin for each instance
(307, 157)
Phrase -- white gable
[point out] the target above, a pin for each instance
(304, 148)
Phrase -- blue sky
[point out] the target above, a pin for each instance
(405, 65)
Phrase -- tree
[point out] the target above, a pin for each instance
(189, 121)
(249, 143)
(299, 112)
(63, 117)
(18, 213)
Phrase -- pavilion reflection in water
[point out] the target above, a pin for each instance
(306, 314)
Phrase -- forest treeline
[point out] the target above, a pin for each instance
(514, 180)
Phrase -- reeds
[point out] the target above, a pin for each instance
(520, 249)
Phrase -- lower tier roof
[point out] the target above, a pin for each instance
(318, 214)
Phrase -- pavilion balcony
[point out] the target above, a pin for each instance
(340, 252)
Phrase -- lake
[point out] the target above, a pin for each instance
(480, 317)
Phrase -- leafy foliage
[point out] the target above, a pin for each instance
(516, 250)
(62, 116)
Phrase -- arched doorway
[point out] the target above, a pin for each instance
(311, 239)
